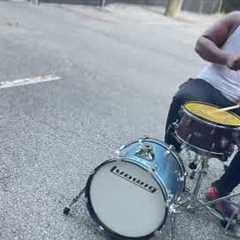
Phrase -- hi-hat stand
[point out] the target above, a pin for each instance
(192, 202)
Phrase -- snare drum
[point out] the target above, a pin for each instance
(129, 197)
(206, 130)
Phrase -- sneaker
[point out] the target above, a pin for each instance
(225, 207)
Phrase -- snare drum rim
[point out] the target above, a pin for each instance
(94, 215)
(198, 149)
(209, 122)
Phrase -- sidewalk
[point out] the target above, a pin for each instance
(140, 14)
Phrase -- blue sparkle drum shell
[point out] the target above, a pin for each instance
(166, 166)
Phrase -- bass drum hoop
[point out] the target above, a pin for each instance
(95, 217)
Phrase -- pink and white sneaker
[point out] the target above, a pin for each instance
(225, 207)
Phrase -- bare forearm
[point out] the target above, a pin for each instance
(209, 51)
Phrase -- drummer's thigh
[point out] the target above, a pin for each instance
(197, 90)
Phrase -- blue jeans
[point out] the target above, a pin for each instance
(200, 90)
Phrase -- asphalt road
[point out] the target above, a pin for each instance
(119, 68)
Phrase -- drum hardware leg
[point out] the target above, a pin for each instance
(180, 201)
(226, 223)
(172, 218)
(192, 199)
(202, 172)
(67, 209)
(208, 203)
(231, 157)
(230, 221)
(173, 227)
(183, 201)
(173, 213)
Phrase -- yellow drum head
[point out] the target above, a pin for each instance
(208, 112)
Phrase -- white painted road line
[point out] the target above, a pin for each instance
(28, 81)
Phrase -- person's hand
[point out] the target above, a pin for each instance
(233, 62)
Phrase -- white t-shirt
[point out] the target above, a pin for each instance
(221, 77)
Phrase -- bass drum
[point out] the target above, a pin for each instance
(127, 199)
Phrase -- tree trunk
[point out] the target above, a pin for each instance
(220, 6)
(173, 7)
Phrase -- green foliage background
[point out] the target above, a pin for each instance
(230, 5)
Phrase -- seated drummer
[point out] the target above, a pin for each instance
(218, 83)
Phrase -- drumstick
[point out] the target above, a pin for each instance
(227, 108)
